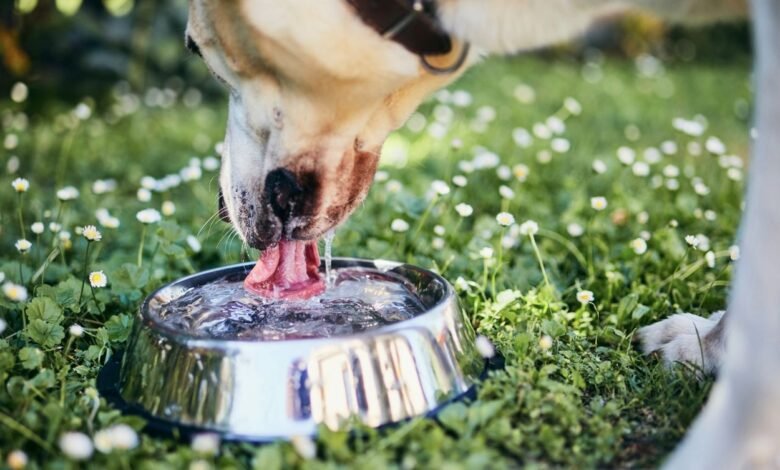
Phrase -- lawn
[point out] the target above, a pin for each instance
(543, 140)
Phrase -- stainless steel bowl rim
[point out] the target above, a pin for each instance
(200, 342)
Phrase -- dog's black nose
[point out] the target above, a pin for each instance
(283, 192)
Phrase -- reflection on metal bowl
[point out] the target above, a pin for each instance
(263, 390)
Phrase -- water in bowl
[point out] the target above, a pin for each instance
(357, 299)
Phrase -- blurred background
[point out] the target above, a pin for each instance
(94, 45)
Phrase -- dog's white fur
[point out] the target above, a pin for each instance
(740, 426)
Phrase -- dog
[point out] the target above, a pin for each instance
(316, 86)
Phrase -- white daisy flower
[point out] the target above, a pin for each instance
(148, 216)
(545, 343)
(20, 185)
(440, 187)
(76, 445)
(23, 246)
(626, 155)
(191, 173)
(37, 228)
(148, 182)
(734, 174)
(672, 184)
(560, 145)
(3, 325)
(68, 193)
(524, 93)
(734, 252)
(461, 284)
(504, 173)
(694, 148)
(572, 106)
(692, 240)
(485, 160)
(520, 171)
(439, 230)
(464, 210)
(544, 156)
(16, 459)
(669, 147)
(709, 257)
(381, 176)
(91, 233)
(194, 244)
(508, 241)
(19, 93)
(394, 186)
(652, 155)
(585, 296)
(506, 192)
(599, 167)
(575, 230)
(15, 292)
(456, 144)
(103, 186)
(77, 331)
(640, 169)
(98, 279)
(466, 166)
(399, 225)
(505, 219)
(486, 252)
(437, 243)
(522, 137)
(715, 146)
(460, 181)
(529, 227)
(598, 203)
(556, 125)
(639, 245)
(168, 208)
(143, 195)
(109, 222)
(671, 171)
(485, 347)
(541, 131)
(211, 164)
(206, 443)
(54, 227)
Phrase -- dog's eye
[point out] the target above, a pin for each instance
(192, 46)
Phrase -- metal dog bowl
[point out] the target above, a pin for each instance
(261, 390)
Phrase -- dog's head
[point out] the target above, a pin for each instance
(314, 92)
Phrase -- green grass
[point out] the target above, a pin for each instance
(590, 400)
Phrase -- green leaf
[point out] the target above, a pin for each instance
(267, 458)
(130, 277)
(65, 294)
(7, 360)
(45, 334)
(43, 380)
(119, 327)
(31, 357)
(46, 310)
(454, 417)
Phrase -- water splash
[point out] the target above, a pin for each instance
(328, 239)
(359, 300)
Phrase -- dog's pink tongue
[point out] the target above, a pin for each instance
(289, 270)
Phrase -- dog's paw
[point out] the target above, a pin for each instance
(685, 338)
